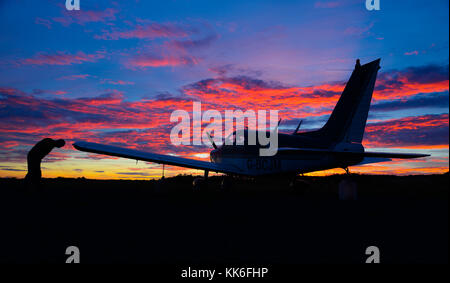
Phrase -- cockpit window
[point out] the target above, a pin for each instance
(236, 138)
(240, 139)
(231, 139)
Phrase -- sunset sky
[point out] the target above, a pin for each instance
(115, 70)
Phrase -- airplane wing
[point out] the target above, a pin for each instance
(153, 157)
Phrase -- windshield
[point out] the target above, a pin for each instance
(236, 138)
(231, 139)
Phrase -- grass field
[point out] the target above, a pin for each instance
(262, 221)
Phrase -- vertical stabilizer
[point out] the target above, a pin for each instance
(348, 119)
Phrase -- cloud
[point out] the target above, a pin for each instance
(118, 82)
(395, 84)
(61, 58)
(144, 124)
(327, 5)
(83, 17)
(104, 99)
(359, 30)
(147, 31)
(8, 145)
(133, 173)
(56, 156)
(415, 52)
(429, 100)
(44, 22)
(54, 92)
(244, 92)
(426, 74)
(178, 44)
(152, 60)
(103, 81)
(194, 43)
(395, 89)
(76, 77)
(419, 131)
(26, 118)
(13, 169)
(231, 69)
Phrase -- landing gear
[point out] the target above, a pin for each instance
(347, 171)
(159, 185)
(200, 183)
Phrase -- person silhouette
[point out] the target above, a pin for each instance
(34, 158)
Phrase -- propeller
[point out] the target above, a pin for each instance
(298, 127)
(211, 140)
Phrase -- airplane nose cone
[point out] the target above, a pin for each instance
(213, 154)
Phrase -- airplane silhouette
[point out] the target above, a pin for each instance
(338, 144)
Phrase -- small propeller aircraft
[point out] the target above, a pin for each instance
(338, 144)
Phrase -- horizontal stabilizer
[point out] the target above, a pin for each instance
(387, 155)
(369, 160)
(394, 155)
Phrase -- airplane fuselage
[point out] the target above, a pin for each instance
(247, 159)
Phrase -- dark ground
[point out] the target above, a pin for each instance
(263, 222)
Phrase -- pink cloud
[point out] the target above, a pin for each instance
(320, 4)
(8, 144)
(85, 16)
(415, 52)
(76, 77)
(144, 124)
(44, 22)
(61, 58)
(118, 82)
(59, 92)
(359, 31)
(54, 92)
(146, 31)
(163, 61)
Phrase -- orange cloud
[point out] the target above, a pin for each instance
(145, 125)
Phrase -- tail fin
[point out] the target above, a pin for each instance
(348, 119)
